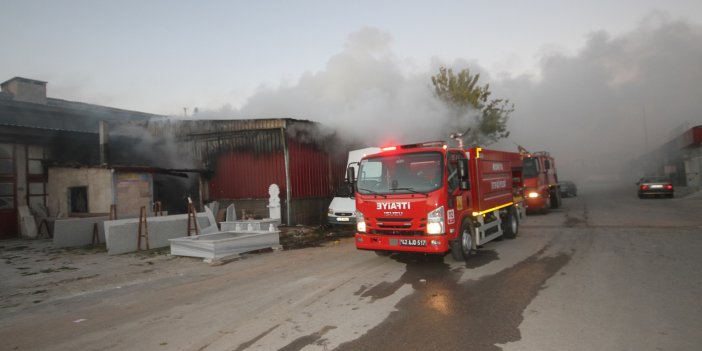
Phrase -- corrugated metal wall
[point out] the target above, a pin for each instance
(309, 171)
(246, 175)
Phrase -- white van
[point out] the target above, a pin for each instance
(342, 209)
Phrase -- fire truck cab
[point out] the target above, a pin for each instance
(435, 199)
(541, 181)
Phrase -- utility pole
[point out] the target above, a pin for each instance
(645, 131)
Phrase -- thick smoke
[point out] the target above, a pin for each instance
(615, 100)
(363, 94)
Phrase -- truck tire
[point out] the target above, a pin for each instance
(555, 195)
(511, 224)
(462, 248)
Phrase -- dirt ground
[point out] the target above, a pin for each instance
(34, 272)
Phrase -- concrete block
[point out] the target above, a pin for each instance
(28, 226)
(70, 232)
(224, 245)
(250, 225)
(231, 213)
(121, 235)
(213, 206)
(212, 227)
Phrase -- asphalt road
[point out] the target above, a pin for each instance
(608, 271)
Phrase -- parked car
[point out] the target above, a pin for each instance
(567, 188)
(655, 186)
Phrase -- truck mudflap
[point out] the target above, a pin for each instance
(435, 244)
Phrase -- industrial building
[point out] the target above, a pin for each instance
(37, 131)
(244, 157)
(680, 159)
(49, 148)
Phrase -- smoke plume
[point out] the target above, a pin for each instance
(613, 101)
(616, 100)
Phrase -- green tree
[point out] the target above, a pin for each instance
(471, 107)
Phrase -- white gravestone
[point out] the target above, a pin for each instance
(274, 201)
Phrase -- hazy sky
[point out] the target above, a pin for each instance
(161, 56)
(589, 78)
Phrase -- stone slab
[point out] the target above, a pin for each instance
(71, 232)
(250, 225)
(121, 236)
(28, 226)
(231, 213)
(218, 246)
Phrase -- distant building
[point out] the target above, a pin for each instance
(680, 159)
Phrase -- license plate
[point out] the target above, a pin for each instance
(342, 219)
(413, 242)
(656, 186)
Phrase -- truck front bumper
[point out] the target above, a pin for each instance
(435, 244)
(536, 203)
(346, 220)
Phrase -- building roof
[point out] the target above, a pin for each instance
(25, 80)
(63, 115)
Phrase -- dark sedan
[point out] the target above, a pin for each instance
(655, 186)
(568, 188)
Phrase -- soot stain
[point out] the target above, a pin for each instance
(443, 314)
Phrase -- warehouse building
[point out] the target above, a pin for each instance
(230, 161)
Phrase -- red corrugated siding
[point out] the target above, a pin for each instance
(309, 171)
(245, 175)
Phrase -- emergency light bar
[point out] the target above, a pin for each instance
(438, 143)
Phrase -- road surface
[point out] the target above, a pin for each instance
(608, 271)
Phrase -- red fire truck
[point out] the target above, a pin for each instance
(540, 181)
(432, 198)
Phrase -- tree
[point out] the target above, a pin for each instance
(465, 98)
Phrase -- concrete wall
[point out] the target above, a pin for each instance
(27, 90)
(97, 180)
(133, 190)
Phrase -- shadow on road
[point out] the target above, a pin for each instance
(445, 314)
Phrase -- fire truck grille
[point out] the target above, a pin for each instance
(397, 232)
(401, 226)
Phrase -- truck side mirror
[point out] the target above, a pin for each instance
(547, 164)
(463, 175)
(351, 175)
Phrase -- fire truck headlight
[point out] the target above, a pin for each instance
(533, 194)
(360, 222)
(435, 222)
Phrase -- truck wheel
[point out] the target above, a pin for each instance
(462, 248)
(555, 198)
(511, 225)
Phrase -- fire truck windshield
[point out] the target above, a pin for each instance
(419, 172)
(531, 167)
